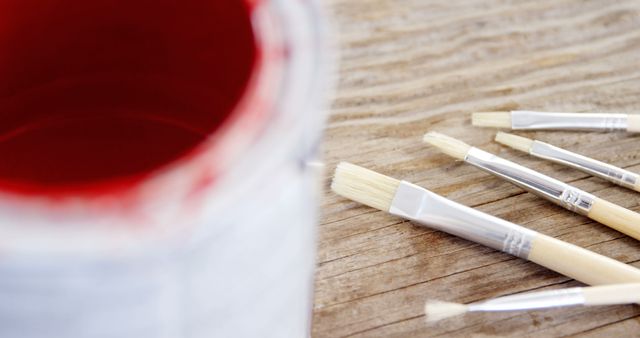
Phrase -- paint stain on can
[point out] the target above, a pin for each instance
(102, 93)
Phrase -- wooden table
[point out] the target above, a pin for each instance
(411, 66)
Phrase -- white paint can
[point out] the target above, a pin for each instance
(219, 242)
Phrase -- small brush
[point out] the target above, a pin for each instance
(409, 201)
(532, 120)
(562, 194)
(616, 294)
(546, 151)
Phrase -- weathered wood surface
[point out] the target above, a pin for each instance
(416, 65)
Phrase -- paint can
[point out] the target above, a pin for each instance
(216, 242)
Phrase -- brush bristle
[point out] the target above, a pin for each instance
(447, 145)
(365, 186)
(437, 310)
(491, 119)
(514, 141)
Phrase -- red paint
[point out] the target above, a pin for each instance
(100, 93)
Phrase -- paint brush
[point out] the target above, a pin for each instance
(562, 194)
(593, 167)
(616, 294)
(409, 201)
(532, 120)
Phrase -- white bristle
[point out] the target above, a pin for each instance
(447, 145)
(491, 119)
(365, 186)
(514, 141)
(437, 310)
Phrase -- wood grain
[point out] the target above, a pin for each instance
(416, 65)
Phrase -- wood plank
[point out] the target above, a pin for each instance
(411, 66)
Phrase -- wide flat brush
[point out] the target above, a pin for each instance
(532, 120)
(412, 202)
(616, 294)
(555, 154)
(565, 195)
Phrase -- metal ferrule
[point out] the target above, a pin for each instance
(596, 168)
(558, 192)
(522, 120)
(530, 301)
(422, 206)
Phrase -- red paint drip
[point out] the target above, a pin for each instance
(98, 94)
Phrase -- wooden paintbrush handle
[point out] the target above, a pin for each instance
(633, 124)
(616, 217)
(612, 294)
(579, 263)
